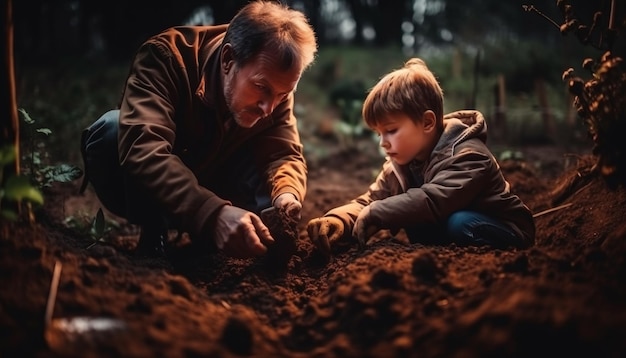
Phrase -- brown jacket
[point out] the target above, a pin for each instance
(461, 174)
(175, 129)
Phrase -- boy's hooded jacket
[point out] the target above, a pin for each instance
(461, 174)
(176, 132)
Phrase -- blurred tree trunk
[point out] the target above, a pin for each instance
(499, 90)
(223, 11)
(359, 14)
(384, 17)
(546, 115)
(9, 125)
(312, 9)
(8, 119)
(387, 20)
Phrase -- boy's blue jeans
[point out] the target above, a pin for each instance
(117, 192)
(467, 228)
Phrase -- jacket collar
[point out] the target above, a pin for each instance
(210, 90)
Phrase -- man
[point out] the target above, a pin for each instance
(205, 136)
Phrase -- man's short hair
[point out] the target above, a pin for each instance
(273, 27)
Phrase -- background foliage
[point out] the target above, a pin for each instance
(72, 58)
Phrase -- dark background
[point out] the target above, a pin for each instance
(47, 31)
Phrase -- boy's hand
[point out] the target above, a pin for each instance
(365, 227)
(324, 231)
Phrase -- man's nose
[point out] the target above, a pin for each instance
(268, 105)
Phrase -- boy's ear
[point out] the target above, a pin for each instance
(429, 121)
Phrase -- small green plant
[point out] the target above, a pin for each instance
(96, 228)
(36, 158)
(347, 96)
(39, 172)
(35, 174)
(351, 124)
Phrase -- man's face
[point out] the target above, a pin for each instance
(253, 91)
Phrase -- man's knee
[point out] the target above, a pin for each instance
(100, 158)
(99, 145)
(102, 134)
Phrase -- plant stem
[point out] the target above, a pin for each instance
(533, 8)
(54, 285)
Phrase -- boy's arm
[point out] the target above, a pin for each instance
(338, 223)
(385, 185)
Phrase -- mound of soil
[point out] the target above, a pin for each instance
(566, 295)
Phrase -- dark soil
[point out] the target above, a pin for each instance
(564, 296)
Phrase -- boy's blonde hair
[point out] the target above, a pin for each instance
(411, 90)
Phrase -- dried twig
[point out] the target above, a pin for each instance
(529, 8)
(52, 295)
(548, 211)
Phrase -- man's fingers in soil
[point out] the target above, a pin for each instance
(262, 231)
(248, 244)
(254, 245)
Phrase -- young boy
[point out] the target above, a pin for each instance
(440, 183)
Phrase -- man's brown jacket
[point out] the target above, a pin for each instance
(175, 129)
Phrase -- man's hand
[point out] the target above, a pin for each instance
(290, 205)
(240, 233)
(365, 226)
(324, 231)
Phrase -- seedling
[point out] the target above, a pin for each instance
(96, 228)
(36, 158)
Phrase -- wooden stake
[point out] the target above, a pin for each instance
(52, 295)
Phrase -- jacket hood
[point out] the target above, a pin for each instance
(460, 126)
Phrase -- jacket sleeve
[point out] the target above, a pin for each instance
(147, 135)
(385, 185)
(280, 152)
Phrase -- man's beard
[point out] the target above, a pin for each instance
(239, 117)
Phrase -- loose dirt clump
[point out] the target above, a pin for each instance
(284, 230)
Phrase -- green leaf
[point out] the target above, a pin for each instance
(61, 173)
(26, 116)
(7, 155)
(511, 155)
(19, 188)
(98, 223)
(45, 131)
(9, 215)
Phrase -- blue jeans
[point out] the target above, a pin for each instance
(467, 228)
(121, 196)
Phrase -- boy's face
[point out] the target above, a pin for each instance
(404, 139)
